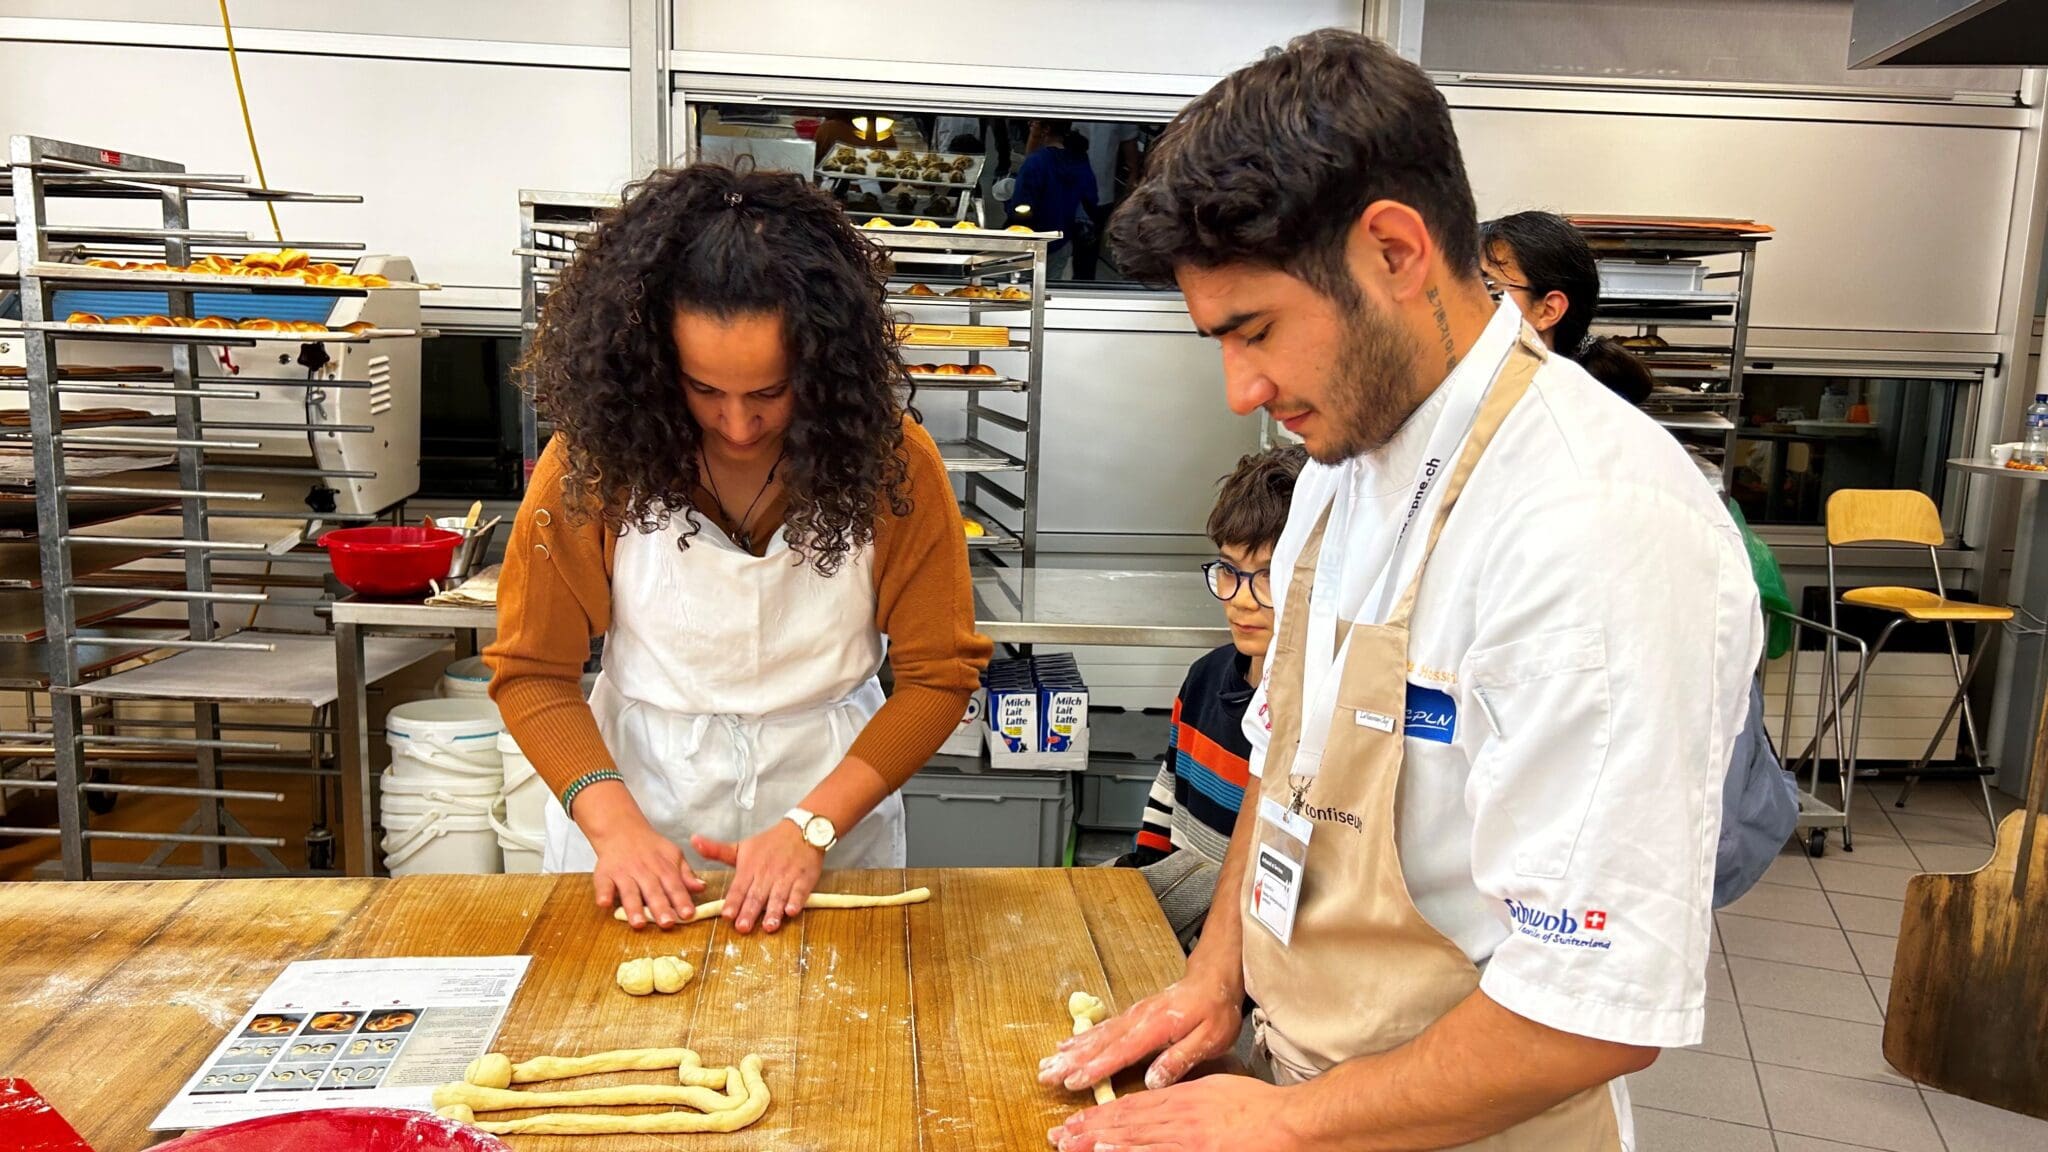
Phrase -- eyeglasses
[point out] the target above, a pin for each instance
(1226, 578)
(1499, 288)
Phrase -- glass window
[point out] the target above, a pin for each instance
(1804, 437)
(1056, 175)
(1792, 43)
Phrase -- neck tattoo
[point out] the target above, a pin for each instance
(1443, 328)
(740, 535)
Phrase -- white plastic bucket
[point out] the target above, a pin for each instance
(526, 794)
(520, 848)
(467, 679)
(412, 797)
(452, 738)
(443, 842)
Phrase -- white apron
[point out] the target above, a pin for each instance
(732, 685)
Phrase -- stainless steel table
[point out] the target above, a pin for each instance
(1063, 606)
(353, 620)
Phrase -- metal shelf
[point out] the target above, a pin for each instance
(973, 456)
(47, 606)
(1694, 421)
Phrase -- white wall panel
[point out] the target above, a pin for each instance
(1882, 227)
(439, 151)
(1136, 432)
(589, 22)
(1184, 37)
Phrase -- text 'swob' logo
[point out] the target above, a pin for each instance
(1560, 927)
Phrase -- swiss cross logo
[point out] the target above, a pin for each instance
(1596, 921)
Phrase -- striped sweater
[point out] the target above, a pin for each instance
(1201, 784)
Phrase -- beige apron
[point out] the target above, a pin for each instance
(1365, 972)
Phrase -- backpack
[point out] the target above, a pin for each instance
(1759, 808)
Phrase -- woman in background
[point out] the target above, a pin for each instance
(1544, 264)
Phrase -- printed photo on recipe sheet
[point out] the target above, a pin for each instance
(351, 1034)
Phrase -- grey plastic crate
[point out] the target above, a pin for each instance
(988, 820)
(1113, 794)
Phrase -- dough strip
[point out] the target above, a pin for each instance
(712, 908)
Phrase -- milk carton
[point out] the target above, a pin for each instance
(1038, 713)
(967, 739)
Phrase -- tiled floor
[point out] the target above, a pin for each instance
(1797, 989)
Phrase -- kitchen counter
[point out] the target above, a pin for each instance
(884, 1029)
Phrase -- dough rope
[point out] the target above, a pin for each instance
(480, 1099)
(712, 908)
(664, 974)
(1088, 1011)
(496, 1070)
(750, 1108)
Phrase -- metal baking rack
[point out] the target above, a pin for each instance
(551, 224)
(997, 462)
(81, 740)
(1709, 358)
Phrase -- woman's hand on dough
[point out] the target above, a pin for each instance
(774, 872)
(638, 868)
(1194, 1020)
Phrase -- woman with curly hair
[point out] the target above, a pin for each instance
(737, 499)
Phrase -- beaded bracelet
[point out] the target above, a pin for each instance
(584, 781)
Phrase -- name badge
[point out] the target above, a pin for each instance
(1377, 721)
(1432, 715)
(1278, 860)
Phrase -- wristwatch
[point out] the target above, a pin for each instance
(818, 831)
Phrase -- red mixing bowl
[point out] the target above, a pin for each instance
(340, 1130)
(390, 562)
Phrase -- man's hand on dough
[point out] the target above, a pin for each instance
(773, 873)
(1196, 1019)
(1212, 1114)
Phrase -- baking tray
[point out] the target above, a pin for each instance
(18, 511)
(222, 336)
(964, 383)
(213, 282)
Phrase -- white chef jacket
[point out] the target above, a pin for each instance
(1590, 619)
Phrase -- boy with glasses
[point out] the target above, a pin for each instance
(1201, 783)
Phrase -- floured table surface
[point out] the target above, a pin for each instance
(918, 1027)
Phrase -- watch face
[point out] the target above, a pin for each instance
(818, 833)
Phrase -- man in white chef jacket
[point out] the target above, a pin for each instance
(1527, 902)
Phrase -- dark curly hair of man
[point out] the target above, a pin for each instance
(1273, 165)
(726, 243)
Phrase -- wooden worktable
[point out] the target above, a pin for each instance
(886, 1029)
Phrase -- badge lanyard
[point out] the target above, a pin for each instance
(1323, 658)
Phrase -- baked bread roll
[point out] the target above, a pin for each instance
(1014, 293)
(949, 370)
(372, 280)
(212, 322)
(878, 222)
(968, 226)
(260, 324)
(919, 290)
(981, 370)
(84, 318)
(1018, 228)
(358, 328)
(309, 326)
(924, 224)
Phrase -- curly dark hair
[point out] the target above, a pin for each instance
(710, 239)
(1273, 165)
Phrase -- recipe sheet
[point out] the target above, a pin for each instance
(349, 1034)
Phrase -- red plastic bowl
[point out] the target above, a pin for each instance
(390, 562)
(340, 1130)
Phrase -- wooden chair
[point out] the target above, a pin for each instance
(1866, 516)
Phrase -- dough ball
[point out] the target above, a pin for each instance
(1083, 1006)
(671, 973)
(636, 977)
(460, 1113)
(492, 1070)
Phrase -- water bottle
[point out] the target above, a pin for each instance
(2035, 449)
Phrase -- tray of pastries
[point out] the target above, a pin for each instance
(954, 335)
(907, 167)
(260, 328)
(1010, 292)
(286, 267)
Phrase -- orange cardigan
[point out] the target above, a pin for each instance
(555, 594)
